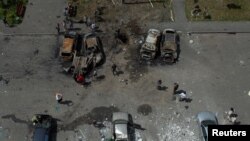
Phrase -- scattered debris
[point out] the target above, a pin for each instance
(242, 62)
(98, 114)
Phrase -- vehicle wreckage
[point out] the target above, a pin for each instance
(84, 52)
(166, 47)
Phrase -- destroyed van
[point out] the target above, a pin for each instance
(67, 49)
(149, 47)
(168, 47)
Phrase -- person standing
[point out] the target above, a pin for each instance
(176, 86)
(114, 69)
(232, 116)
(159, 82)
(59, 98)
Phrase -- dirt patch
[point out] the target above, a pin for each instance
(99, 114)
(114, 13)
(144, 109)
(15, 119)
(134, 66)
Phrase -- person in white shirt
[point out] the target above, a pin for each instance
(59, 98)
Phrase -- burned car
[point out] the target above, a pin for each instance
(89, 55)
(168, 47)
(150, 47)
(123, 129)
(67, 49)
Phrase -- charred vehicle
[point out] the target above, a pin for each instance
(89, 55)
(67, 49)
(168, 47)
(149, 47)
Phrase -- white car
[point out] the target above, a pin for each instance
(123, 130)
(150, 46)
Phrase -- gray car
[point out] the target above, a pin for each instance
(205, 119)
(122, 126)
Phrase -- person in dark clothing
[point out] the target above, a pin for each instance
(176, 86)
(71, 24)
(159, 82)
(114, 69)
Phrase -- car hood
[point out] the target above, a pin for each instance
(204, 116)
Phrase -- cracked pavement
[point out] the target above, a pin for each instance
(213, 69)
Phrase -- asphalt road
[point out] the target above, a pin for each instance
(213, 69)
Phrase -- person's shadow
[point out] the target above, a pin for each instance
(67, 102)
(162, 88)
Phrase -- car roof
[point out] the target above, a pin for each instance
(120, 116)
(203, 116)
(40, 134)
(67, 45)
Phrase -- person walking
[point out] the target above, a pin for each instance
(58, 28)
(59, 98)
(114, 69)
(176, 86)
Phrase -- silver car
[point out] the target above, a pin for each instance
(122, 126)
(205, 119)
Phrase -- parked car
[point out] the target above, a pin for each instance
(168, 46)
(150, 46)
(123, 129)
(43, 126)
(205, 119)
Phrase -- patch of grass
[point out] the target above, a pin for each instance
(8, 12)
(114, 13)
(219, 10)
